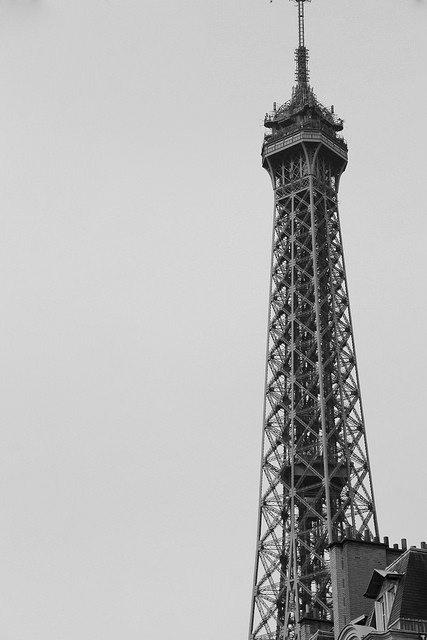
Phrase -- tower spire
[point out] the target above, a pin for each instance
(301, 54)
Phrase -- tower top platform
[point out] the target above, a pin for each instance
(303, 118)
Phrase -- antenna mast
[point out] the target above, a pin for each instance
(301, 22)
(301, 54)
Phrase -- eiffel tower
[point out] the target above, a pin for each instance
(316, 485)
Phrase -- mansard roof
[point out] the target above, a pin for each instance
(410, 573)
(411, 596)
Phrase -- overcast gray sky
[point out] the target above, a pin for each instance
(135, 248)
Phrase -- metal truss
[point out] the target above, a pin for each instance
(315, 476)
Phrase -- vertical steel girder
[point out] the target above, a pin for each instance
(315, 476)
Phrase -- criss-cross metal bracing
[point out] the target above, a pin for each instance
(315, 476)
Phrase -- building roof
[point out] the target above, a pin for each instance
(410, 572)
(411, 596)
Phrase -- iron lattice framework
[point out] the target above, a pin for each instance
(315, 476)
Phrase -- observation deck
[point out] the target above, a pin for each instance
(303, 119)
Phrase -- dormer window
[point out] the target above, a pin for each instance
(384, 604)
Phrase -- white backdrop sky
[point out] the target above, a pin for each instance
(135, 246)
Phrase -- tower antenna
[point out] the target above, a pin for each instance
(301, 54)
